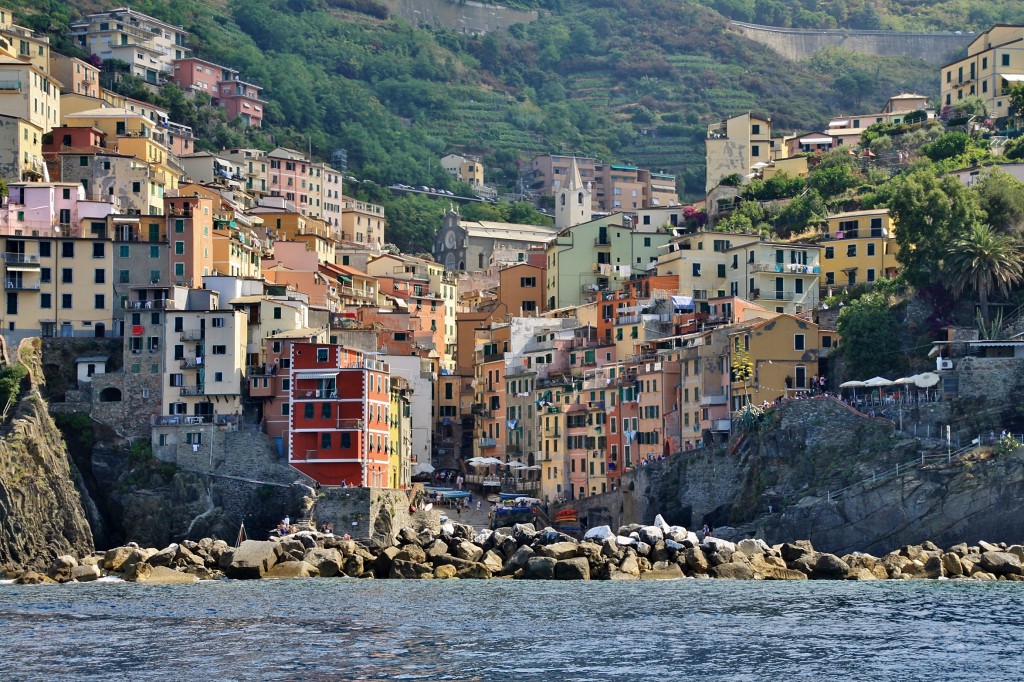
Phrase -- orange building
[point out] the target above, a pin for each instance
(190, 231)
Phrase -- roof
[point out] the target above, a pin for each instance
(856, 214)
(508, 231)
(300, 333)
(93, 358)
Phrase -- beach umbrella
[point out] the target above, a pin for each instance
(423, 468)
(854, 385)
(878, 382)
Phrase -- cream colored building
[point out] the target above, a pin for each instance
(28, 93)
(23, 43)
(21, 152)
(362, 222)
(994, 62)
(149, 45)
(464, 169)
(735, 145)
(204, 353)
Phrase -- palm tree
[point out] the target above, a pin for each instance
(983, 260)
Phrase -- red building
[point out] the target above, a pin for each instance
(223, 85)
(338, 415)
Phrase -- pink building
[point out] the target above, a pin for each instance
(51, 209)
(239, 98)
(289, 177)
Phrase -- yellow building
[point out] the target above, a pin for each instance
(861, 247)
(773, 358)
(554, 473)
(464, 169)
(21, 153)
(23, 43)
(362, 222)
(735, 145)
(26, 92)
(293, 226)
(702, 261)
(994, 61)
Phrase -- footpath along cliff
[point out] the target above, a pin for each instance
(41, 513)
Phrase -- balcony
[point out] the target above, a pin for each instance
(721, 425)
(191, 419)
(20, 259)
(350, 424)
(602, 242)
(487, 442)
(19, 285)
(776, 295)
(191, 363)
(314, 394)
(192, 390)
(157, 304)
(713, 399)
(192, 335)
(786, 268)
(10, 86)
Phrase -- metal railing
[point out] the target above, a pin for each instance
(192, 335)
(20, 258)
(488, 442)
(17, 284)
(193, 390)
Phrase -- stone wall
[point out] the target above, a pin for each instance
(796, 44)
(465, 16)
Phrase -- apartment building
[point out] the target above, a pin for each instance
(735, 145)
(149, 45)
(362, 222)
(190, 232)
(75, 75)
(325, 202)
(23, 43)
(254, 165)
(339, 414)
(994, 62)
(860, 248)
(288, 177)
(21, 155)
(464, 169)
(29, 93)
(783, 354)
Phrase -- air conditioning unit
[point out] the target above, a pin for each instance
(943, 363)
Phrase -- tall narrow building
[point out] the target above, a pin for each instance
(572, 200)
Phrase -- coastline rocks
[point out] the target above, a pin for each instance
(457, 551)
(251, 559)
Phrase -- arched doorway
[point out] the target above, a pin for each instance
(110, 395)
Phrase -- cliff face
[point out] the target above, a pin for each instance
(41, 513)
(775, 483)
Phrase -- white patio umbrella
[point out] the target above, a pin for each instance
(854, 385)
(878, 382)
(423, 468)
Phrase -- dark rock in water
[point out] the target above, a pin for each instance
(476, 571)
(413, 553)
(354, 566)
(382, 564)
(164, 557)
(572, 569)
(540, 568)
(829, 567)
(519, 559)
(410, 571)
(327, 561)
(791, 551)
(933, 568)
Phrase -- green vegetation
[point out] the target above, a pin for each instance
(982, 261)
(12, 381)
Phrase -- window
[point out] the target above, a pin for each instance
(721, 270)
(325, 441)
(123, 251)
(154, 252)
(65, 301)
(696, 269)
(871, 275)
(277, 313)
(346, 440)
(217, 322)
(179, 225)
(67, 249)
(830, 252)
(99, 276)
(154, 276)
(527, 282)
(179, 269)
(755, 129)
(66, 275)
(45, 301)
(308, 410)
(851, 250)
(44, 274)
(44, 249)
(1006, 59)
(321, 354)
(826, 341)
(755, 150)
(98, 250)
(179, 248)
(218, 350)
(798, 342)
(325, 410)
(284, 410)
(136, 187)
(100, 302)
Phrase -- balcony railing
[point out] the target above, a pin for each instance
(193, 390)
(19, 285)
(314, 394)
(487, 442)
(21, 258)
(786, 268)
(157, 304)
(351, 424)
(190, 419)
(191, 363)
(602, 241)
(192, 335)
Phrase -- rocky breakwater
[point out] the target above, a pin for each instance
(636, 552)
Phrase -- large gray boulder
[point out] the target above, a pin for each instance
(86, 573)
(413, 553)
(951, 564)
(327, 561)
(492, 561)
(559, 550)
(165, 556)
(829, 567)
(999, 563)
(114, 558)
(165, 575)
(663, 570)
(540, 568)
(577, 568)
(409, 570)
(519, 559)
(733, 571)
(468, 551)
(252, 559)
(791, 551)
(62, 569)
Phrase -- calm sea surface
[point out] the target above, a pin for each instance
(505, 630)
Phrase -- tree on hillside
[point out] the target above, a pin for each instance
(930, 213)
(984, 261)
(866, 326)
(1017, 99)
(1002, 199)
(948, 146)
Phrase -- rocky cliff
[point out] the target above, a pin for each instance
(776, 482)
(41, 514)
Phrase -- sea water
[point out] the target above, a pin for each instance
(513, 630)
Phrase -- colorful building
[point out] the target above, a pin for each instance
(860, 248)
(339, 411)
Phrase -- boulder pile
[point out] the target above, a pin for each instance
(636, 552)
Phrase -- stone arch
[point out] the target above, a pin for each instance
(111, 394)
(579, 198)
(563, 199)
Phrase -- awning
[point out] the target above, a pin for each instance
(315, 374)
(344, 278)
(815, 140)
(1012, 77)
(682, 301)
